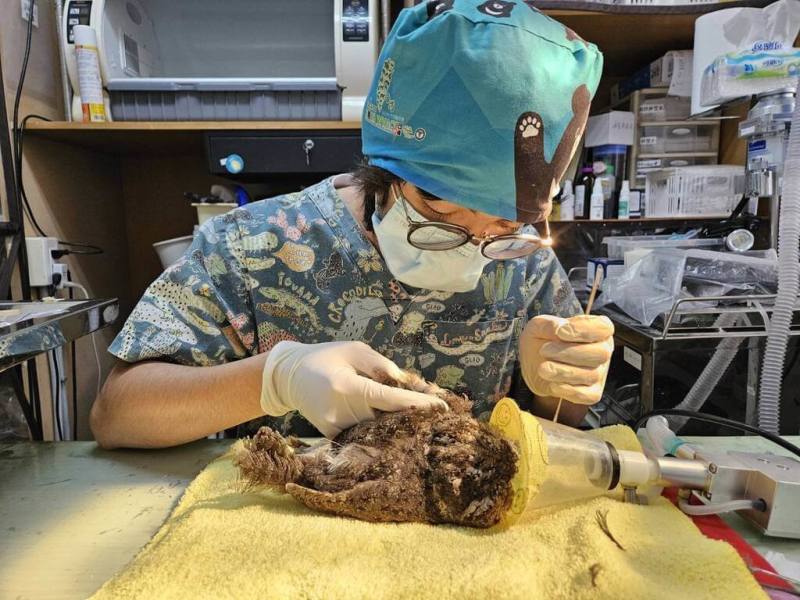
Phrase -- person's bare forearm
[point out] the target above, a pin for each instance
(156, 404)
(570, 414)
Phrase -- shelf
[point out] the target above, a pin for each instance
(662, 91)
(678, 155)
(163, 137)
(28, 329)
(712, 122)
(558, 7)
(646, 220)
(189, 125)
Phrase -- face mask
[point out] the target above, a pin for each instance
(456, 270)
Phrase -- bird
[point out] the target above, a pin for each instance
(429, 466)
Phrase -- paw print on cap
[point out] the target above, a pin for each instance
(529, 126)
(537, 178)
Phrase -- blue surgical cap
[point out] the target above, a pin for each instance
(482, 104)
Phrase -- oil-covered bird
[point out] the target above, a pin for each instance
(414, 465)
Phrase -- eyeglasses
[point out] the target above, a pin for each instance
(436, 235)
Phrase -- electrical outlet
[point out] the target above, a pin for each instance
(25, 7)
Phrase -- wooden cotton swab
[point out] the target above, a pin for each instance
(592, 294)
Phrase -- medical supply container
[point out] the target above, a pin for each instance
(694, 191)
(658, 139)
(623, 210)
(613, 156)
(233, 60)
(597, 201)
(583, 192)
(619, 245)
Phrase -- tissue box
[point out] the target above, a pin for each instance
(738, 74)
(616, 127)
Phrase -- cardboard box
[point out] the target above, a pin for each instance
(673, 71)
(615, 127)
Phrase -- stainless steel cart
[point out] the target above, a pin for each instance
(692, 322)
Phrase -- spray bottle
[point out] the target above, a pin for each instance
(597, 202)
(624, 200)
(567, 202)
(89, 80)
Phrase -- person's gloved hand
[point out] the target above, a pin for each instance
(567, 358)
(333, 385)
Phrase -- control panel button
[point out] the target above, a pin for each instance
(233, 164)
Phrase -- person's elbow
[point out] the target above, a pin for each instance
(100, 423)
(103, 416)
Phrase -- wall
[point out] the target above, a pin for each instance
(75, 195)
(156, 209)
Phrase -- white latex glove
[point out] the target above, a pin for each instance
(332, 385)
(567, 358)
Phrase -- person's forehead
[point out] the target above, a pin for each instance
(440, 204)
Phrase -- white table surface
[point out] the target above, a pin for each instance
(72, 515)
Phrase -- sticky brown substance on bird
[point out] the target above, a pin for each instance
(413, 465)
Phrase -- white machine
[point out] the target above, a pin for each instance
(272, 55)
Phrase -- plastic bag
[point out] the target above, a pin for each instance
(649, 287)
(733, 271)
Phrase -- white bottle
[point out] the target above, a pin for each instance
(596, 205)
(580, 200)
(624, 200)
(567, 202)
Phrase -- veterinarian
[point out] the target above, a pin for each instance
(292, 309)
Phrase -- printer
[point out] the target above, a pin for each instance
(164, 60)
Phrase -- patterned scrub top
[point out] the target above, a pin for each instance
(298, 267)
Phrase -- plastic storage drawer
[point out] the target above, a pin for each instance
(665, 139)
(669, 108)
(224, 100)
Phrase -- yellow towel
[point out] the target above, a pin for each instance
(221, 544)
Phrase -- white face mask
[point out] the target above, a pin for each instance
(456, 270)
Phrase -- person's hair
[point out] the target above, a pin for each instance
(374, 184)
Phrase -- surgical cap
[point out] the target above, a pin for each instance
(481, 103)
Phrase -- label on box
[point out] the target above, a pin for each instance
(632, 357)
(650, 140)
(615, 127)
(651, 163)
(647, 109)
